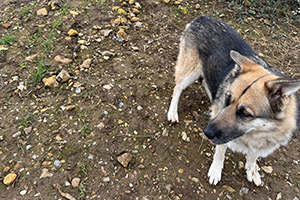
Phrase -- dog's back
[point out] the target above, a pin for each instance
(214, 39)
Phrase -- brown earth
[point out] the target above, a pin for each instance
(122, 105)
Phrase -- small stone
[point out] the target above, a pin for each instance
(139, 108)
(6, 25)
(63, 76)
(81, 42)
(28, 130)
(42, 11)
(17, 134)
(107, 87)
(58, 58)
(196, 180)
(6, 169)
(244, 190)
(135, 19)
(70, 107)
(3, 48)
(101, 125)
(46, 163)
(106, 179)
(267, 169)
(135, 11)
(228, 188)
(75, 182)
(122, 11)
(106, 32)
(74, 13)
(121, 33)
(50, 82)
(185, 137)
(261, 54)
(23, 192)
(197, 6)
(169, 187)
(247, 3)
(241, 165)
(165, 133)
(9, 178)
(56, 163)
(131, 2)
(46, 173)
(31, 58)
(183, 10)
(72, 32)
(180, 171)
(279, 196)
(77, 90)
(124, 159)
(165, 1)
(86, 64)
(67, 183)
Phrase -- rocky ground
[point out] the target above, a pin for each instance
(85, 88)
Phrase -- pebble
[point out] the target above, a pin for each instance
(228, 188)
(169, 187)
(70, 107)
(17, 134)
(244, 190)
(6, 25)
(74, 13)
(279, 196)
(31, 58)
(46, 173)
(60, 59)
(196, 180)
(135, 19)
(135, 11)
(106, 179)
(72, 32)
(185, 137)
(107, 87)
(124, 159)
(101, 125)
(56, 163)
(78, 90)
(6, 169)
(28, 130)
(9, 178)
(75, 182)
(86, 63)
(42, 11)
(139, 107)
(197, 6)
(165, 133)
(267, 169)
(63, 76)
(241, 165)
(23, 192)
(122, 11)
(50, 82)
(67, 183)
(106, 32)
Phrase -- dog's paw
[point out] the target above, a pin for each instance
(173, 117)
(254, 176)
(214, 174)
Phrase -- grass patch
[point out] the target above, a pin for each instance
(27, 120)
(274, 10)
(7, 40)
(56, 24)
(27, 9)
(82, 190)
(85, 130)
(39, 73)
(48, 45)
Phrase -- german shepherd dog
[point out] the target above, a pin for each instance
(254, 108)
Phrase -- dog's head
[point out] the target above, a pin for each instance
(256, 100)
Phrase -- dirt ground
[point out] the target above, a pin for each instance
(118, 104)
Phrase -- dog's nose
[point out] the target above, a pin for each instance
(209, 132)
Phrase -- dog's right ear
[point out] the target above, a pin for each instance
(244, 63)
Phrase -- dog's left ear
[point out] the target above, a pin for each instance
(283, 87)
(245, 63)
(279, 91)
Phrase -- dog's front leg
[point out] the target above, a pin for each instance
(215, 170)
(252, 170)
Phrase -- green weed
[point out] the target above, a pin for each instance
(85, 130)
(7, 40)
(48, 45)
(27, 9)
(56, 24)
(39, 74)
(82, 189)
(27, 120)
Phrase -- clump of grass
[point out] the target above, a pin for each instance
(39, 73)
(85, 130)
(7, 40)
(27, 120)
(274, 10)
(27, 9)
(82, 190)
(56, 24)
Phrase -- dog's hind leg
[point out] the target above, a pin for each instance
(252, 170)
(215, 170)
(188, 70)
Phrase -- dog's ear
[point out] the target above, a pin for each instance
(279, 93)
(245, 63)
(283, 87)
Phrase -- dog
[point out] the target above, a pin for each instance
(254, 108)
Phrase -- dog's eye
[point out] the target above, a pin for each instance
(228, 98)
(243, 112)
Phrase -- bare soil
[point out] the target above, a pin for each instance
(122, 105)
